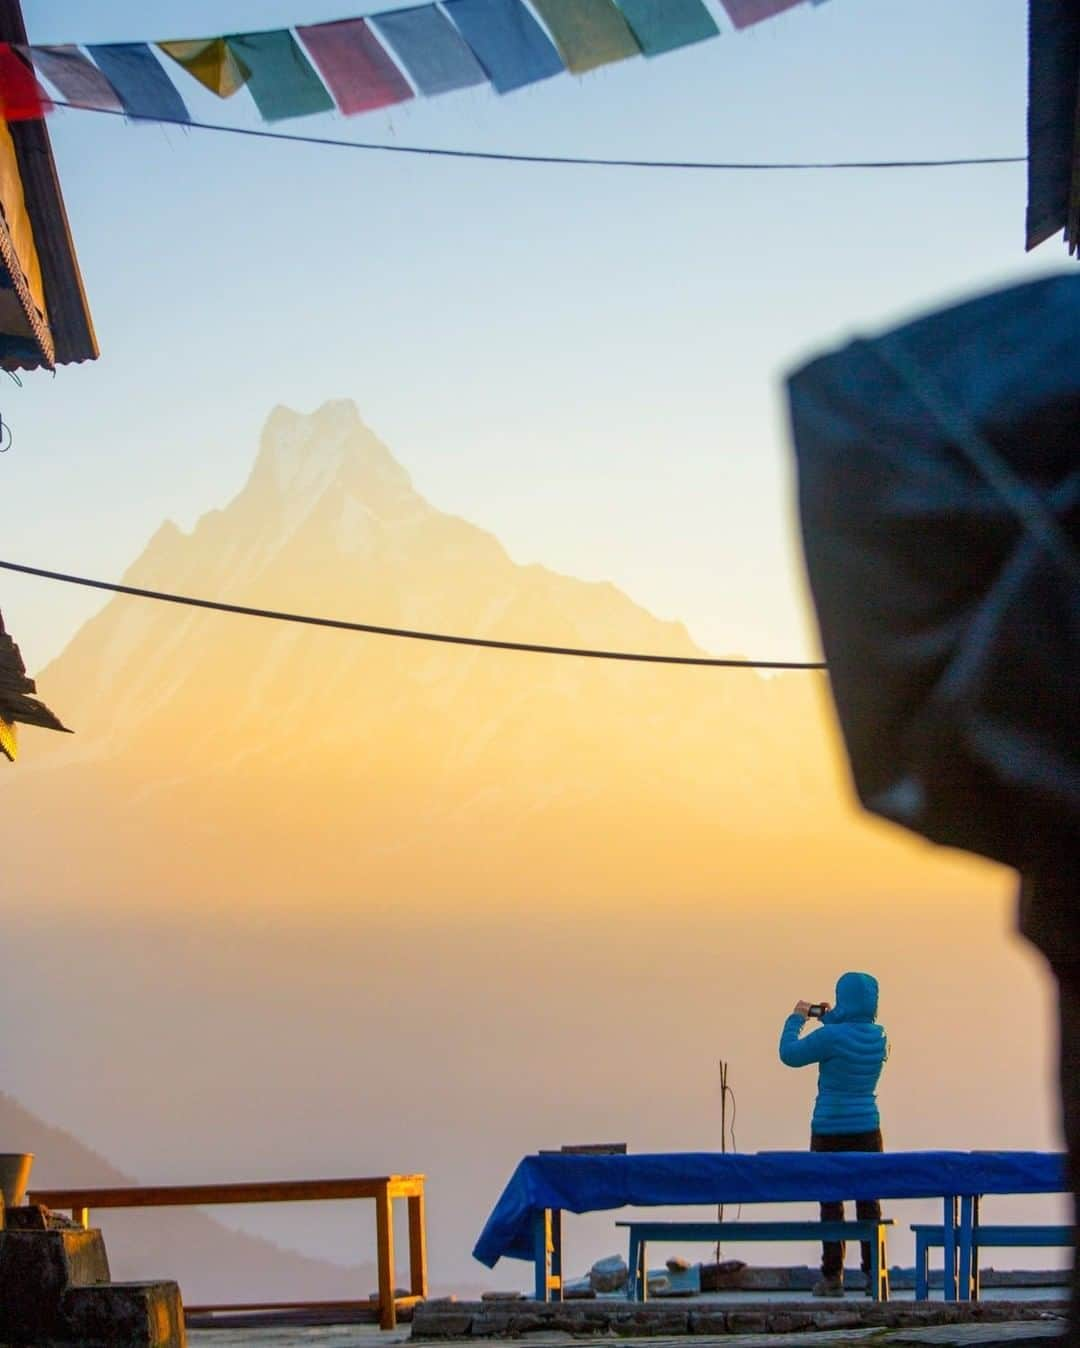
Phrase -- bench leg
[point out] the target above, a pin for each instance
(879, 1267)
(966, 1220)
(556, 1254)
(633, 1262)
(922, 1267)
(950, 1248)
(418, 1282)
(542, 1253)
(637, 1281)
(384, 1234)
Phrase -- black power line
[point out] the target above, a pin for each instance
(373, 629)
(726, 166)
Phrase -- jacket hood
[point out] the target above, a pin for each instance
(856, 998)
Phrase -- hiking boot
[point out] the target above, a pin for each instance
(828, 1287)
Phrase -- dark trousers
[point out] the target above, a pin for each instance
(1068, 976)
(866, 1209)
(1050, 918)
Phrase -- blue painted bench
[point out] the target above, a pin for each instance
(928, 1237)
(641, 1232)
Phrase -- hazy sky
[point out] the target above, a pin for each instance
(585, 361)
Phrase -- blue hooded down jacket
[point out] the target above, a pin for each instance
(850, 1049)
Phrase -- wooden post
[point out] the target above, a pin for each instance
(384, 1228)
(418, 1283)
(81, 1217)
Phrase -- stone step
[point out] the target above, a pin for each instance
(36, 1269)
(124, 1315)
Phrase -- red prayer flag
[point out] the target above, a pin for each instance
(745, 12)
(22, 99)
(355, 66)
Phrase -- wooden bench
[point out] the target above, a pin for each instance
(383, 1189)
(929, 1236)
(871, 1232)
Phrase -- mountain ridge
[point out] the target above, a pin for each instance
(210, 1261)
(453, 773)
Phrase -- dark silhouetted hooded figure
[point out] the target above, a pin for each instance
(850, 1049)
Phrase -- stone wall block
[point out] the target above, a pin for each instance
(124, 1315)
(644, 1321)
(838, 1319)
(790, 1322)
(36, 1269)
(748, 1322)
(708, 1320)
(442, 1322)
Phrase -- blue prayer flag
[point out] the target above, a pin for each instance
(140, 82)
(507, 41)
(430, 48)
(664, 25)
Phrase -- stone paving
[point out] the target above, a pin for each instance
(1025, 1334)
(1042, 1326)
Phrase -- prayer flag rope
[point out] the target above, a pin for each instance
(408, 634)
(356, 65)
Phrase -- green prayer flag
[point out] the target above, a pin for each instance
(588, 33)
(281, 79)
(211, 62)
(664, 25)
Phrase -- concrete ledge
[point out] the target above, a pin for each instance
(625, 1319)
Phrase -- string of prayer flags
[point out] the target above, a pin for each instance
(435, 56)
(211, 61)
(588, 33)
(280, 77)
(665, 25)
(139, 81)
(360, 64)
(75, 77)
(21, 97)
(506, 40)
(354, 65)
(743, 13)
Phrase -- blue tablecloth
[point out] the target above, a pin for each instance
(595, 1183)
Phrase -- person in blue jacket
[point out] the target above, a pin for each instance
(850, 1049)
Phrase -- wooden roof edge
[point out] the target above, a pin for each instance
(74, 339)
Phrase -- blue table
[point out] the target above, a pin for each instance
(526, 1222)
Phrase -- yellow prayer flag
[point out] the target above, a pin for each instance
(211, 61)
(9, 744)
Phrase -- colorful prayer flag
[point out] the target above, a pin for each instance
(211, 62)
(355, 66)
(75, 77)
(506, 40)
(588, 33)
(280, 77)
(430, 48)
(138, 79)
(664, 25)
(22, 99)
(743, 13)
